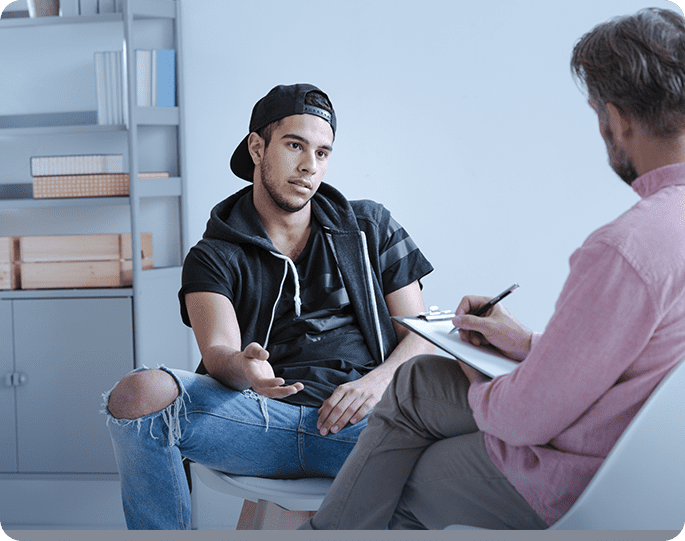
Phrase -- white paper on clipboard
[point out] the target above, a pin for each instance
(484, 359)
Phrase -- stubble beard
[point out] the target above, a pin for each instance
(270, 187)
(619, 161)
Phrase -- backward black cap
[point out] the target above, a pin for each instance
(280, 102)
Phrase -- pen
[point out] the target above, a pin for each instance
(492, 302)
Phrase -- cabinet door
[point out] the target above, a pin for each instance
(71, 350)
(8, 428)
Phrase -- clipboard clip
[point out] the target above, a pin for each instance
(435, 314)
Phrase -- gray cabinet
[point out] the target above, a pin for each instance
(67, 352)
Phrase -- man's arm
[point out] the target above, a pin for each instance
(351, 401)
(216, 329)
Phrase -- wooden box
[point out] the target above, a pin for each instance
(79, 261)
(102, 247)
(99, 185)
(65, 274)
(9, 271)
(69, 248)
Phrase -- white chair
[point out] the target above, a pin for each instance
(270, 504)
(641, 483)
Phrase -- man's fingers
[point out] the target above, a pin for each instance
(275, 388)
(255, 351)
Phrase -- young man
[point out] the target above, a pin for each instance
(289, 294)
(448, 446)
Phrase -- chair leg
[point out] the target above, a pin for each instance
(247, 515)
(269, 516)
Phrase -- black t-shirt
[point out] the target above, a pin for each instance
(323, 347)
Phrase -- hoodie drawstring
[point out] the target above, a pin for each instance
(298, 301)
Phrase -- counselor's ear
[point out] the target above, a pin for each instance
(621, 123)
(255, 145)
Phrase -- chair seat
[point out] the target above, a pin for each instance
(293, 494)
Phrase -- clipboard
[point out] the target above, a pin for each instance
(485, 359)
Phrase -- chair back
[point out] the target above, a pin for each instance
(641, 483)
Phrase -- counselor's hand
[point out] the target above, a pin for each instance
(259, 372)
(497, 328)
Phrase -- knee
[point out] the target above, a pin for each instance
(426, 369)
(142, 393)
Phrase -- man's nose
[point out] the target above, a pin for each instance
(308, 162)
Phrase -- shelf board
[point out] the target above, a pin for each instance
(66, 293)
(16, 22)
(54, 123)
(81, 122)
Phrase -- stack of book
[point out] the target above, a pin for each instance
(71, 261)
(110, 87)
(156, 77)
(98, 175)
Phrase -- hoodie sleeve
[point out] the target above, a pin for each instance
(401, 261)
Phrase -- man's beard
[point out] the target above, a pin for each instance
(281, 202)
(618, 160)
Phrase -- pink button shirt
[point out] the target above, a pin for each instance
(617, 329)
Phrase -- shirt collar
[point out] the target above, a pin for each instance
(652, 182)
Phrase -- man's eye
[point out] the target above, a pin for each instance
(294, 145)
(322, 154)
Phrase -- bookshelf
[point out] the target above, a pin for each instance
(91, 337)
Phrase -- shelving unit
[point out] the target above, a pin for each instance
(90, 337)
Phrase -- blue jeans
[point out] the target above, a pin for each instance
(235, 432)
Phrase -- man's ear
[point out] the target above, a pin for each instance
(621, 123)
(255, 145)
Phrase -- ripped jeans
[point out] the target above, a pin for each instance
(227, 430)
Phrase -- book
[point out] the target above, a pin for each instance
(100, 88)
(110, 87)
(486, 360)
(76, 165)
(163, 69)
(143, 77)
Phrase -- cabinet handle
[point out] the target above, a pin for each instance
(16, 379)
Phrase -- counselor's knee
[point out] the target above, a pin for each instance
(142, 393)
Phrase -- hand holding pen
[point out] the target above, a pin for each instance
(492, 302)
(498, 329)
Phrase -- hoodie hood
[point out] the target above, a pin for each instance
(236, 220)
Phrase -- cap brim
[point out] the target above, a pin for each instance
(241, 161)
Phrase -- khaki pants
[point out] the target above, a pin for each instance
(421, 463)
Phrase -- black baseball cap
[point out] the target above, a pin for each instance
(280, 102)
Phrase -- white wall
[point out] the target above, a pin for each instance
(461, 117)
